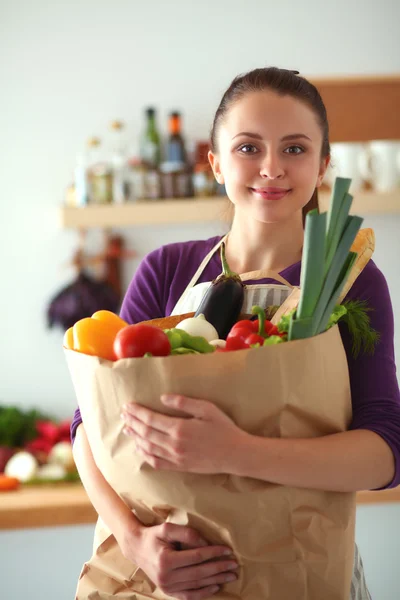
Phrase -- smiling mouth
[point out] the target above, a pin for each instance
(270, 193)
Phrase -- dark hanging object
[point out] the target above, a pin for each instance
(81, 299)
(87, 294)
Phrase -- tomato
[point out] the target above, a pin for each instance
(135, 341)
(94, 337)
(8, 484)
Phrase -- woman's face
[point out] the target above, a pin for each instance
(269, 155)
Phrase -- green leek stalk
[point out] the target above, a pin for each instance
(312, 275)
(326, 264)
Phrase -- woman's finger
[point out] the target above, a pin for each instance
(145, 431)
(149, 448)
(151, 418)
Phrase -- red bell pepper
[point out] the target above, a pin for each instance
(247, 334)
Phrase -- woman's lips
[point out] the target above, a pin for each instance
(270, 193)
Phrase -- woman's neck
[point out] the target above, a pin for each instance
(252, 246)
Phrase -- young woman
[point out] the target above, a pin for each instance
(270, 147)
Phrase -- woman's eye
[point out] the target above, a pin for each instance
(294, 150)
(248, 149)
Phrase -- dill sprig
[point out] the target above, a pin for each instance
(359, 325)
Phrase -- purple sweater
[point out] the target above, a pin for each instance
(164, 274)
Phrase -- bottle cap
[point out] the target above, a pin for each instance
(117, 125)
(93, 142)
(175, 123)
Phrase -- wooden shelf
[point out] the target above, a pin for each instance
(196, 210)
(68, 504)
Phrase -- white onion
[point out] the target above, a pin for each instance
(53, 472)
(23, 466)
(61, 454)
(198, 326)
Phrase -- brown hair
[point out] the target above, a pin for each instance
(284, 83)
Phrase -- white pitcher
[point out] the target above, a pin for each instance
(345, 162)
(380, 165)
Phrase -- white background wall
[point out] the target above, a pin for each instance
(66, 70)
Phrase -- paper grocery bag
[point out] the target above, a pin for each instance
(291, 543)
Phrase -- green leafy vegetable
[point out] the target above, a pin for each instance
(327, 261)
(359, 325)
(18, 427)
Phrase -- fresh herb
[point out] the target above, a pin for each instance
(359, 325)
(18, 427)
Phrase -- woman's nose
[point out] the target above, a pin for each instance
(272, 167)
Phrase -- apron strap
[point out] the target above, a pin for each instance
(201, 268)
(265, 274)
(261, 274)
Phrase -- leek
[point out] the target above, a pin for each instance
(326, 264)
(315, 264)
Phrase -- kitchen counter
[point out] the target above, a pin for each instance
(68, 504)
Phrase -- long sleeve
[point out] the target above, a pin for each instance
(373, 378)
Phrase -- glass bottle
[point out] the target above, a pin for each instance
(118, 160)
(151, 146)
(176, 151)
(100, 180)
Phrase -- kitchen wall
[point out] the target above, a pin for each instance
(66, 70)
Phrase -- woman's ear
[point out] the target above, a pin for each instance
(322, 169)
(216, 167)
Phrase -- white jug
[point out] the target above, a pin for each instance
(345, 162)
(380, 165)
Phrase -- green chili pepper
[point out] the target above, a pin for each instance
(178, 338)
(183, 350)
(175, 338)
(272, 340)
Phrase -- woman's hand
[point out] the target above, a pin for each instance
(194, 572)
(208, 441)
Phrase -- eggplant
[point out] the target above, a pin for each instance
(223, 300)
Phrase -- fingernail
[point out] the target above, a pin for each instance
(214, 589)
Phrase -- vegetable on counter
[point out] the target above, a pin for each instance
(22, 465)
(223, 300)
(8, 484)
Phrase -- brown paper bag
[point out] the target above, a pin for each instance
(291, 543)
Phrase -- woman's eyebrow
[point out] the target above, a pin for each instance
(295, 136)
(256, 136)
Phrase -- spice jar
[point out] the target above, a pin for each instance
(175, 180)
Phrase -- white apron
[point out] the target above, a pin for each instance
(263, 295)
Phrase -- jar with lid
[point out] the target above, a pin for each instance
(175, 180)
(203, 180)
(100, 178)
(136, 180)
